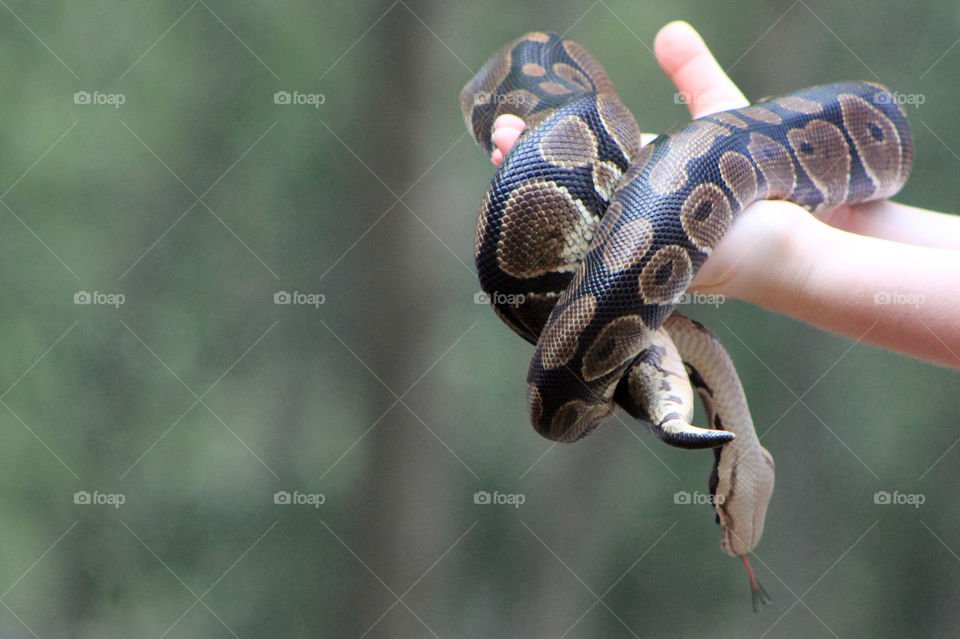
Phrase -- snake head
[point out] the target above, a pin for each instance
(744, 475)
(741, 512)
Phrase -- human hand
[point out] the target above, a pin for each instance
(841, 272)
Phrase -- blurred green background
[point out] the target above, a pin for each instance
(198, 398)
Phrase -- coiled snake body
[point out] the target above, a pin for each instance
(586, 241)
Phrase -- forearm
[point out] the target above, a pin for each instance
(899, 296)
(898, 222)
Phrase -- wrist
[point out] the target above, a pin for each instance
(765, 256)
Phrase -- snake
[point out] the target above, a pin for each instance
(587, 241)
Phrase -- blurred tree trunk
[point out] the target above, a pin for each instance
(406, 524)
(402, 528)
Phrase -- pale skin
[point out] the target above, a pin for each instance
(825, 271)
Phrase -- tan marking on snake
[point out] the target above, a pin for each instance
(619, 122)
(563, 335)
(881, 157)
(576, 418)
(666, 275)
(639, 164)
(572, 75)
(533, 69)
(556, 243)
(553, 88)
(537, 36)
(569, 143)
(739, 175)
(578, 277)
(762, 113)
(605, 177)
(534, 402)
(617, 344)
(800, 105)
(670, 171)
(774, 161)
(567, 421)
(627, 246)
(825, 156)
(608, 223)
(706, 216)
(730, 119)
(593, 69)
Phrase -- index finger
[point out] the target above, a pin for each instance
(687, 61)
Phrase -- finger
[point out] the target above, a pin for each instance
(506, 130)
(687, 61)
(509, 120)
(504, 137)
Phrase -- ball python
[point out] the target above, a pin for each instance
(586, 241)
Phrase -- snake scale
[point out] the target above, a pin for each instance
(586, 241)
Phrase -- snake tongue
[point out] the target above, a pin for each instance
(759, 595)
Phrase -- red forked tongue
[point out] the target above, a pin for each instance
(760, 596)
